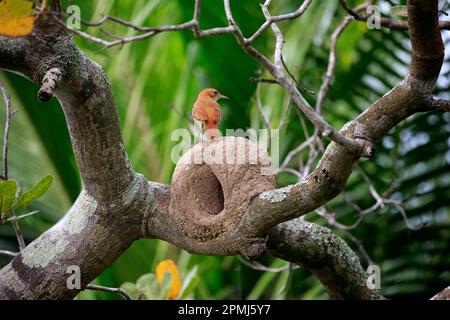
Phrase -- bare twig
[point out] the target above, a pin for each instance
(9, 115)
(264, 117)
(291, 171)
(120, 291)
(384, 21)
(287, 282)
(330, 217)
(260, 267)
(298, 83)
(26, 215)
(262, 80)
(354, 145)
(278, 36)
(148, 32)
(378, 198)
(285, 114)
(323, 91)
(360, 246)
(405, 218)
(295, 152)
(272, 19)
(9, 253)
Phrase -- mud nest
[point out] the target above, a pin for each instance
(214, 183)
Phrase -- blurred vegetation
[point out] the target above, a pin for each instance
(155, 83)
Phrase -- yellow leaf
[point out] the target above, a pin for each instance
(175, 282)
(16, 17)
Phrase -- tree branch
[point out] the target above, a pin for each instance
(120, 291)
(323, 91)
(443, 295)
(9, 253)
(440, 105)
(384, 21)
(407, 98)
(325, 254)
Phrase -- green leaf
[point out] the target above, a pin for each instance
(190, 282)
(131, 289)
(7, 196)
(147, 286)
(35, 193)
(399, 11)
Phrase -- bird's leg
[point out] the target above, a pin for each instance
(201, 131)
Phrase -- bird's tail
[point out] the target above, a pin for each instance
(211, 131)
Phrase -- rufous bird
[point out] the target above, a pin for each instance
(207, 111)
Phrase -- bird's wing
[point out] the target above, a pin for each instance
(214, 113)
(199, 113)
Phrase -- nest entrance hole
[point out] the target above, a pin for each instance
(209, 191)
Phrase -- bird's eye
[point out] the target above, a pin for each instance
(215, 92)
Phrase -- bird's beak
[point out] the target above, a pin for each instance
(221, 96)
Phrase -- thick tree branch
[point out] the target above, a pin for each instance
(443, 295)
(325, 254)
(107, 216)
(440, 105)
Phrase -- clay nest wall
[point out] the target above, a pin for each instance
(212, 187)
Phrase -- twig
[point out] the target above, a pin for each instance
(120, 291)
(9, 253)
(405, 218)
(288, 280)
(292, 171)
(19, 235)
(264, 117)
(372, 190)
(7, 99)
(279, 43)
(262, 80)
(386, 22)
(9, 115)
(260, 267)
(26, 215)
(355, 145)
(323, 91)
(295, 152)
(148, 32)
(287, 16)
(285, 114)
(360, 246)
(330, 217)
(298, 83)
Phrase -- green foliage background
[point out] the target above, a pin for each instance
(155, 83)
